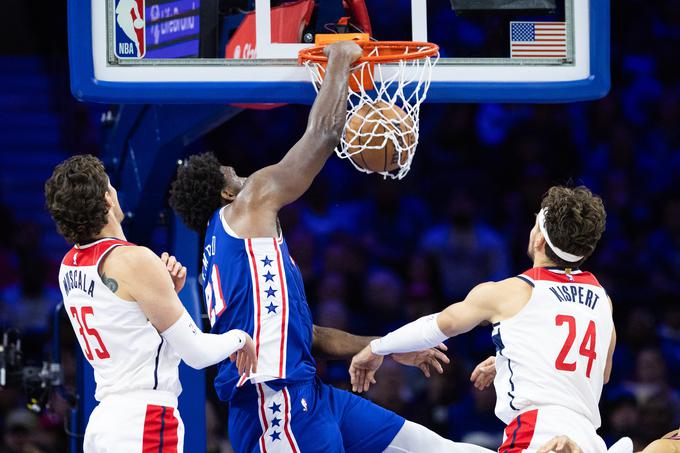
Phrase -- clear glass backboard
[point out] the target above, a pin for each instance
(235, 51)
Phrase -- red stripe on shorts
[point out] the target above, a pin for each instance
(170, 438)
(160, 430)
(152, 429)
(519, 432)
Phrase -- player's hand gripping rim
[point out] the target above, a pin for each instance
(484, 373)
(178, 273)
(245, 358)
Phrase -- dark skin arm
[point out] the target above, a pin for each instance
(253, 212)
(337, 344)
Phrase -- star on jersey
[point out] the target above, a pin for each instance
(269, 276)
(275, 408)
(271, 308)
(276, 421)
(271, 292)
(267, 261)
(275, 436)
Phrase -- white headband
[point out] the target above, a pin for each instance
(559, 252)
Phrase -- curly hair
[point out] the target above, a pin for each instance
(197, 191)
(74, 196)
(574, 220)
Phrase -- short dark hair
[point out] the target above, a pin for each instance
(574, 220)
(196, 193)
(74, 196)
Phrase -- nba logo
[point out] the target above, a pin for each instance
(129, 24)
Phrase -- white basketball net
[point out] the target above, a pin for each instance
(368, 126)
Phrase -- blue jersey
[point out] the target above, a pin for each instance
(254, 285)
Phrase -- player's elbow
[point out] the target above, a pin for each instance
(196, 364)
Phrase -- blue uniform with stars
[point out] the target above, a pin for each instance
(254, 285)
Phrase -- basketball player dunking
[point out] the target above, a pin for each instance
(122, 302)
(252, 283)
(552, 328)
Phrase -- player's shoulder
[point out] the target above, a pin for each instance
(495, 292)
(132, 258)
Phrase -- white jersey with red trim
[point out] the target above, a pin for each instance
(554, 351)
(125, 350)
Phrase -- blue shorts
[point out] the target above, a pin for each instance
(309, 417)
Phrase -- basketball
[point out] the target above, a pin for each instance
(379, 136)
(138, 23)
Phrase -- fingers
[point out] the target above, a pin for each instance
(357, 380)
(369, 380)
(425, 368)
(182, 272)
(232, 357)
(164, 257)
(549, 446)
(176, 268)
(442, 346)
(441, 356)
(170, 262)
(560, 444)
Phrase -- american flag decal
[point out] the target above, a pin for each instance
(538, 40)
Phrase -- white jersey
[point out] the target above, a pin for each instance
(125, 350)
(554, 351)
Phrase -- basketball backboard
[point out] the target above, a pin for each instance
(236, 51)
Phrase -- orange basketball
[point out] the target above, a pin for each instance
(378, 136)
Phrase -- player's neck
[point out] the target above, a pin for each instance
(541, 260)
(112, 230)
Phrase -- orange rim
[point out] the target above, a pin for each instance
(400, 50)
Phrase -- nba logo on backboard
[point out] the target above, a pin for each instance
(129, 24)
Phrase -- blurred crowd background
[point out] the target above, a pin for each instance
(374, 253)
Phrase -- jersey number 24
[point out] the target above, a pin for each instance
(587, 348)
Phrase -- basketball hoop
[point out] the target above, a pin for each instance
(387, 85)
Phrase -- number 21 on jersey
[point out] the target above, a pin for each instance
(215, 305)
(587, 348)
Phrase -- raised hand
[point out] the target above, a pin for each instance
(425, 360)
(484, 373)
(178, 273)
(349, 49)
(560, 444)
(245, 358)
(362, 369)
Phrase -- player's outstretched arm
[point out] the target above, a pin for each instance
(427, 332)
(280, 184)
(337, 344)
(142, 277)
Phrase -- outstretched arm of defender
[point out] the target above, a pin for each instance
(143, 278)
(282, 183)
(428, 331)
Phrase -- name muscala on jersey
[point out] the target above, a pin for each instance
(554, 351)
(125, 350)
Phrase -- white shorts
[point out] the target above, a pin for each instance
(140, 421)
(535, 427)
